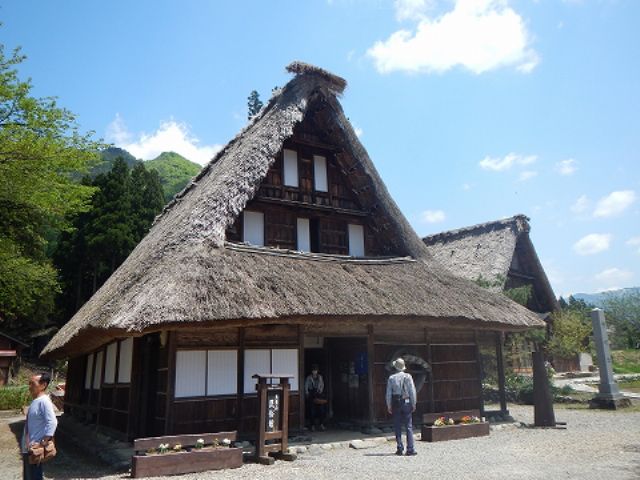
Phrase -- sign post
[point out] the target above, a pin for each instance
(273, 418)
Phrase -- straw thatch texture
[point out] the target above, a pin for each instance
(182, 273)
(490, 251)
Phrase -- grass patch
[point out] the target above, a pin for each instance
(630, 386)
(626, 361)
(14, 398)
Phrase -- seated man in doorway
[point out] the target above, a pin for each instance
(314, 394)
(401, 403)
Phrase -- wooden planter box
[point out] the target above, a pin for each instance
(454, 432)
(185, 462)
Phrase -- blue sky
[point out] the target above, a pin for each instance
(472, 110)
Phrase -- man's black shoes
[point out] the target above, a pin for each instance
(399, 451)
(411, 453)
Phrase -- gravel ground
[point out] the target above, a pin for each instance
(595, 445)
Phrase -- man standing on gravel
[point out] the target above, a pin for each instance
(401, 403)
(40, 425)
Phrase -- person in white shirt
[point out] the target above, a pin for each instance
(40, 425)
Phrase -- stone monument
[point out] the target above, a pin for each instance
(609, 395)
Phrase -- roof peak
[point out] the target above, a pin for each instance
(519, 222)
(301, 68)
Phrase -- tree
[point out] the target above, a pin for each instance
(121, 213)
(570, 333)
(41, 149)
(623, 313)
(254, 104)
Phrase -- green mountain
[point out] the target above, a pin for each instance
(108, 156)
(175, 172)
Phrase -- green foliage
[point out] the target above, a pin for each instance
(623, 313)
(174, 170)
(254, 104)
(520, 295)
(121, 213)
(497, 282)
(626, 361)
(14, 398)
(108, 157)
(41, 149)
(570, 333)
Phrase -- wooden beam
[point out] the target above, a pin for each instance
(312, 206)
(370, 364)
(501, 380)
(301, 379)
(430, 393)
(171, 380)
(480, 371)
(240, 381)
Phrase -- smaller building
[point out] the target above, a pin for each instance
(10, 352)
(500, 256)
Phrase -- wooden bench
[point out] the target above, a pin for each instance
(431, 433)
(189, 459)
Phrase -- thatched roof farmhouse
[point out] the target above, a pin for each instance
(286, 249)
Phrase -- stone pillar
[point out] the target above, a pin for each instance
(609, 395)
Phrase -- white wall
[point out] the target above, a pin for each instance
(290, 168)
(253, 227)
(125, 361)
(320, 173)
(304, 237)
(285, 361)
(255, 361)
(110, 365)
(190, 373)
(97, 378)
(356, 240)
(222, 372)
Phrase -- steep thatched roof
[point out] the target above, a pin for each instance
(494, 251)
(183, 272)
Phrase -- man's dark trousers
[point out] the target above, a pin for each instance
(402, 417)
(31, 472)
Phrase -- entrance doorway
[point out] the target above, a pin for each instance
(344, 365)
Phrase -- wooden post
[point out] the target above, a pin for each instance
(133, 426)
(240, 382)
(500, 364)
(427, 341)
(102, 366)
(370, 378)
(171, 381)
(301, 379)
(480, 371)
(542, 400)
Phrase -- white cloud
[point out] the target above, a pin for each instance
(613, 278)
(479, 35)
(498, 164)
(634, 242)
(527, 175)
(580, 205)
(593, 243)
(466, 187)
(433, 216)
(615, 203)
(411, 9)
(566, 167)
(171, 136)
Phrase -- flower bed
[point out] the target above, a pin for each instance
(161, 456)
(453, 426)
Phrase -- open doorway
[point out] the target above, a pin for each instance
(344, 365)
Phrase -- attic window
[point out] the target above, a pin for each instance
(290, 168)
(356, 240)
(320, 173)
(253, 227)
